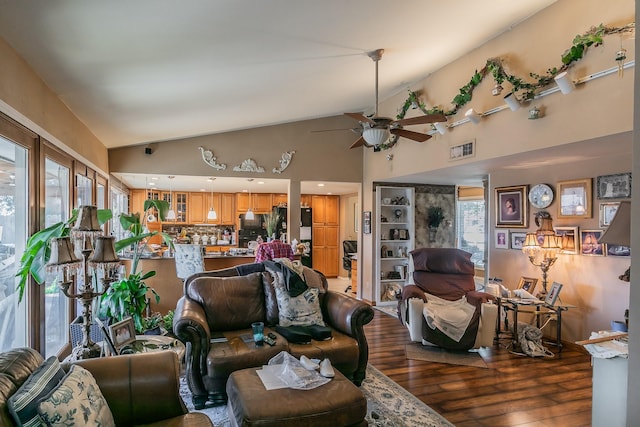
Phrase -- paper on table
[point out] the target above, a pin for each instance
(269, 374)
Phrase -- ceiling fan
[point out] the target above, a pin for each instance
(376, 130)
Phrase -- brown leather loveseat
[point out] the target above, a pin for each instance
(222, 304)
(138, 388)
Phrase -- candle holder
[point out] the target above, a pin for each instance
(98, 255)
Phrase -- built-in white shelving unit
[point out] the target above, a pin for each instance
(395, 229)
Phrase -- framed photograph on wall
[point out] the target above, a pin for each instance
(569, 239)
(122, 333)
(511, 206)
(607, 212)
(502, 241)
(517, 240)
(589, 243)
(575, 198)
(366, 222)
(618, 250)
(616, 186)
(553, 294)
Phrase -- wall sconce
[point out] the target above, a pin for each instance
(565, 84)
(473, 116)
(535, 113)
(512, 101)
(440, 127)
(497, 89)
(542, 247)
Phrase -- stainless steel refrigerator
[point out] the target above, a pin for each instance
(305, 232)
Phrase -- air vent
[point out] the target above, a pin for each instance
(462, 151)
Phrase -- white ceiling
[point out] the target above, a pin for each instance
(139, 71)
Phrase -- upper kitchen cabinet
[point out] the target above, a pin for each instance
(325, 210)
(260, 202)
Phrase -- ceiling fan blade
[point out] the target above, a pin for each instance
(361, 118)
(358, 143)
(421, 120)
(415, 136)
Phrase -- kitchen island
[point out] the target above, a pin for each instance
(166, 282)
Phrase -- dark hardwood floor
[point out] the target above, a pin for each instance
(513, 391)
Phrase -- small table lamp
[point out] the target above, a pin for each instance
(86, 233)
(543, 246)
(619, 232)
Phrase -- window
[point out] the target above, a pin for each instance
(56, 209)
(14, 178)
(119, 205)
(471, 232)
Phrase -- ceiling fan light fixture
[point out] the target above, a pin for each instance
(376, 136)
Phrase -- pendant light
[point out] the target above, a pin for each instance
(171, 215)
(250, 215)
(212, 212)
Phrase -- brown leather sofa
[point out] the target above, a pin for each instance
(139, 388)
(225, 303)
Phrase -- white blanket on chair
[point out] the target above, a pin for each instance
(451, 317)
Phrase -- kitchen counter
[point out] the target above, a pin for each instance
(166, 282)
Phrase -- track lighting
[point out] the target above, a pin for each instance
(473, 116)
(440, 127)
(565, 84)
(512, 101)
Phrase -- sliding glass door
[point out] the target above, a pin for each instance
(14, 179)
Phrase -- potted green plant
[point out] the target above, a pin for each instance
(435, 216)
(128, 296)
(271, 222)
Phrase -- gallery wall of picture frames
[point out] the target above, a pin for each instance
(575, 201)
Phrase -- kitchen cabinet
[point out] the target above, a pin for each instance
(179, 205)
(280, 200)
(325, 234)
(138, 197)
(260, 203)
(227, 212)
(305, 200)
(197, 212)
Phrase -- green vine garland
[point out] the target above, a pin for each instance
(525, 89)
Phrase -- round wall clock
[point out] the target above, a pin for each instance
(541, 196)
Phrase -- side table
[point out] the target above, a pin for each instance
(530, 306)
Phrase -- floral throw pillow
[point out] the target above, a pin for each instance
(303, 310)
(77, 401)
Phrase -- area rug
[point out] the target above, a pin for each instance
(388, 405)
(417, 351)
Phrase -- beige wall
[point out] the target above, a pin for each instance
(318, 156)
(28, 100)
(589, 282)
(596, 109)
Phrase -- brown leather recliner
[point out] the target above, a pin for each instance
(216, 307)
(139, 388)
(446, 274)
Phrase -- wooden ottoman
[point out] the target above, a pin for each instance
(339, 403)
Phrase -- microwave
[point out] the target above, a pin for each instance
(251, 224)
